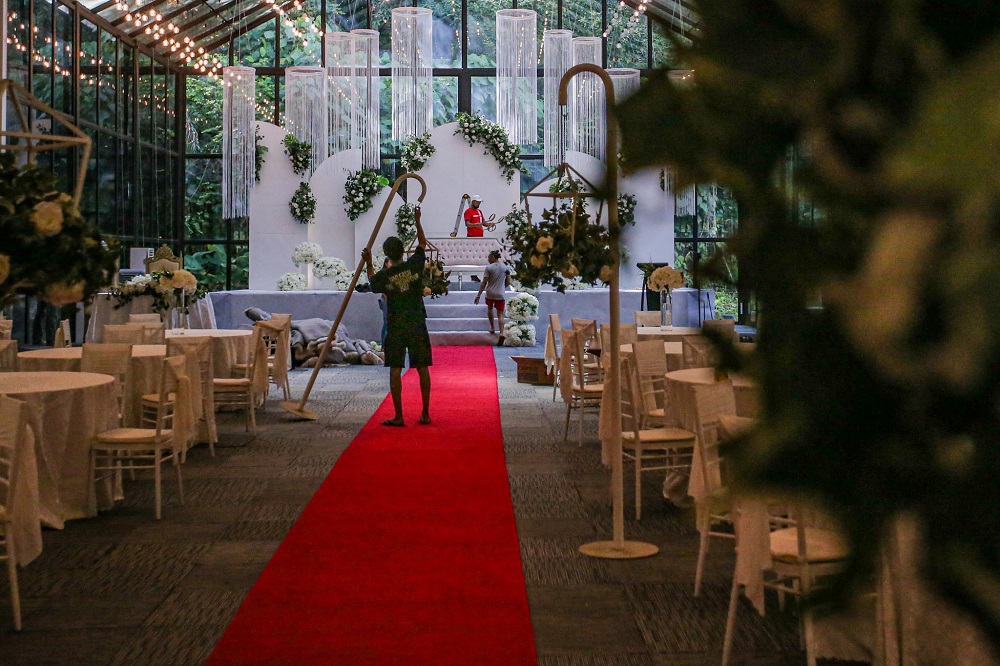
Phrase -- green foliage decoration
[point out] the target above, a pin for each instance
(435, 279)
(359, 191)
(47, 250)
(477, 129)
(303, 204)
(882, 402)
(299, 152)
(260, 150)
(406, 223)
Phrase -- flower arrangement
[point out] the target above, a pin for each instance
(292, 282)
(335, 269)
(665, 278)
(260, 150)
(406, 223)
(47, 250)
(299, 152)
(435, 279)
(553, 253)
(359, 190)
(522, 307)
(416, 150)
(477, 129)
(518, 334)
(306, 253)
(303, 204)
(626, 209)
(167, 289)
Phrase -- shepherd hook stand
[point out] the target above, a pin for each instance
(299, 408)
(618, 548)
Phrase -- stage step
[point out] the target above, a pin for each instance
(462, 338)
(480, 324)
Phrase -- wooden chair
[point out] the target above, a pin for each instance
(115, 359)
(13, 434)
(163, 259)
(647, 317)
(579, 389)
(555, 331)
(711, 401)
(145, 319)
(8, 355)
(277, 335)
(649, 449)
(127, 333)
(699, 352)
(724, 328)
(650, 363)
(153, 332)
(243, 391)
(201, 348)
(120, 449)
(6, 329)
(63, 337)
(799, 555)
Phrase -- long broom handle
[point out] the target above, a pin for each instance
(354, 281)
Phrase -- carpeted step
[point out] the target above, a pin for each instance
(480, 324)
(462, 338)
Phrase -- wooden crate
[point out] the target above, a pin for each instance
(531, 370)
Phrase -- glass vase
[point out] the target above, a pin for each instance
(666, 316)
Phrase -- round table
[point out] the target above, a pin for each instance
(147, 364)
(65, 411)
(229, 346)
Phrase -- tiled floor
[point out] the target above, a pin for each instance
(124, 589)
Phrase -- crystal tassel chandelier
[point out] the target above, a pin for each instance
(340, 76)
(238, 140)
(306, 110)
(367, 85)
(557, 57)
(517, 74)
(587, 134)
(412, 63)
(626, 82)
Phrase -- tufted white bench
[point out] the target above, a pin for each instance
(466, 255)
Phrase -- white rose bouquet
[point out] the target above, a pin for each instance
(167, 288)
(522, 308)
(416, 150)
(306, 253)
(518, 334)
(334, 269)
(292, 282)
(477, 129)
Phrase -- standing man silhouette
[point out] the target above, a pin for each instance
(403, 286)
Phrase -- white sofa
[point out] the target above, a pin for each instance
(466, 255)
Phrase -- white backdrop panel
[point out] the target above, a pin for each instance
(456, 169)
(273, 232)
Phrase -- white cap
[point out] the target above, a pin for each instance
(476, 197)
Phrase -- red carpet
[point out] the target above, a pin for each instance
(408, 552)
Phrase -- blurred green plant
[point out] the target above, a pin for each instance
(884, 401)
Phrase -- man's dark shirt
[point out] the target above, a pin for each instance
(403, 286)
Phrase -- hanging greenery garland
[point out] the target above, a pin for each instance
(415, 152)
(406, 223)
(299, 152)
(556, 254)
(303, 204)
(260, 150)
(477, 129)
(359, 190)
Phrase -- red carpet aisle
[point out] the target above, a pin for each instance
(408, 553)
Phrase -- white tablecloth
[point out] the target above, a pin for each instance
(103, 311)
(65, 411)
(229, 347)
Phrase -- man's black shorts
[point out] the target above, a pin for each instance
(407, 333)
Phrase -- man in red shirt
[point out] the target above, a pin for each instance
(474, 219)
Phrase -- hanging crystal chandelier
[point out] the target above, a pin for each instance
(367, 85)
(412, 63)
(517, 74)
(340, 69)
(557, 56)
(588, 117)
(238, 140)
(626, 82)
(306, 110)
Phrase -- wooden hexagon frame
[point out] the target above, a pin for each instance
(31, 142)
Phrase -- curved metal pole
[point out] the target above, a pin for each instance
(618, 548)
(299, 408)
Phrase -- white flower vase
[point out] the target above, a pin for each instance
(310, 278)
(666, 315)
(177, 317)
